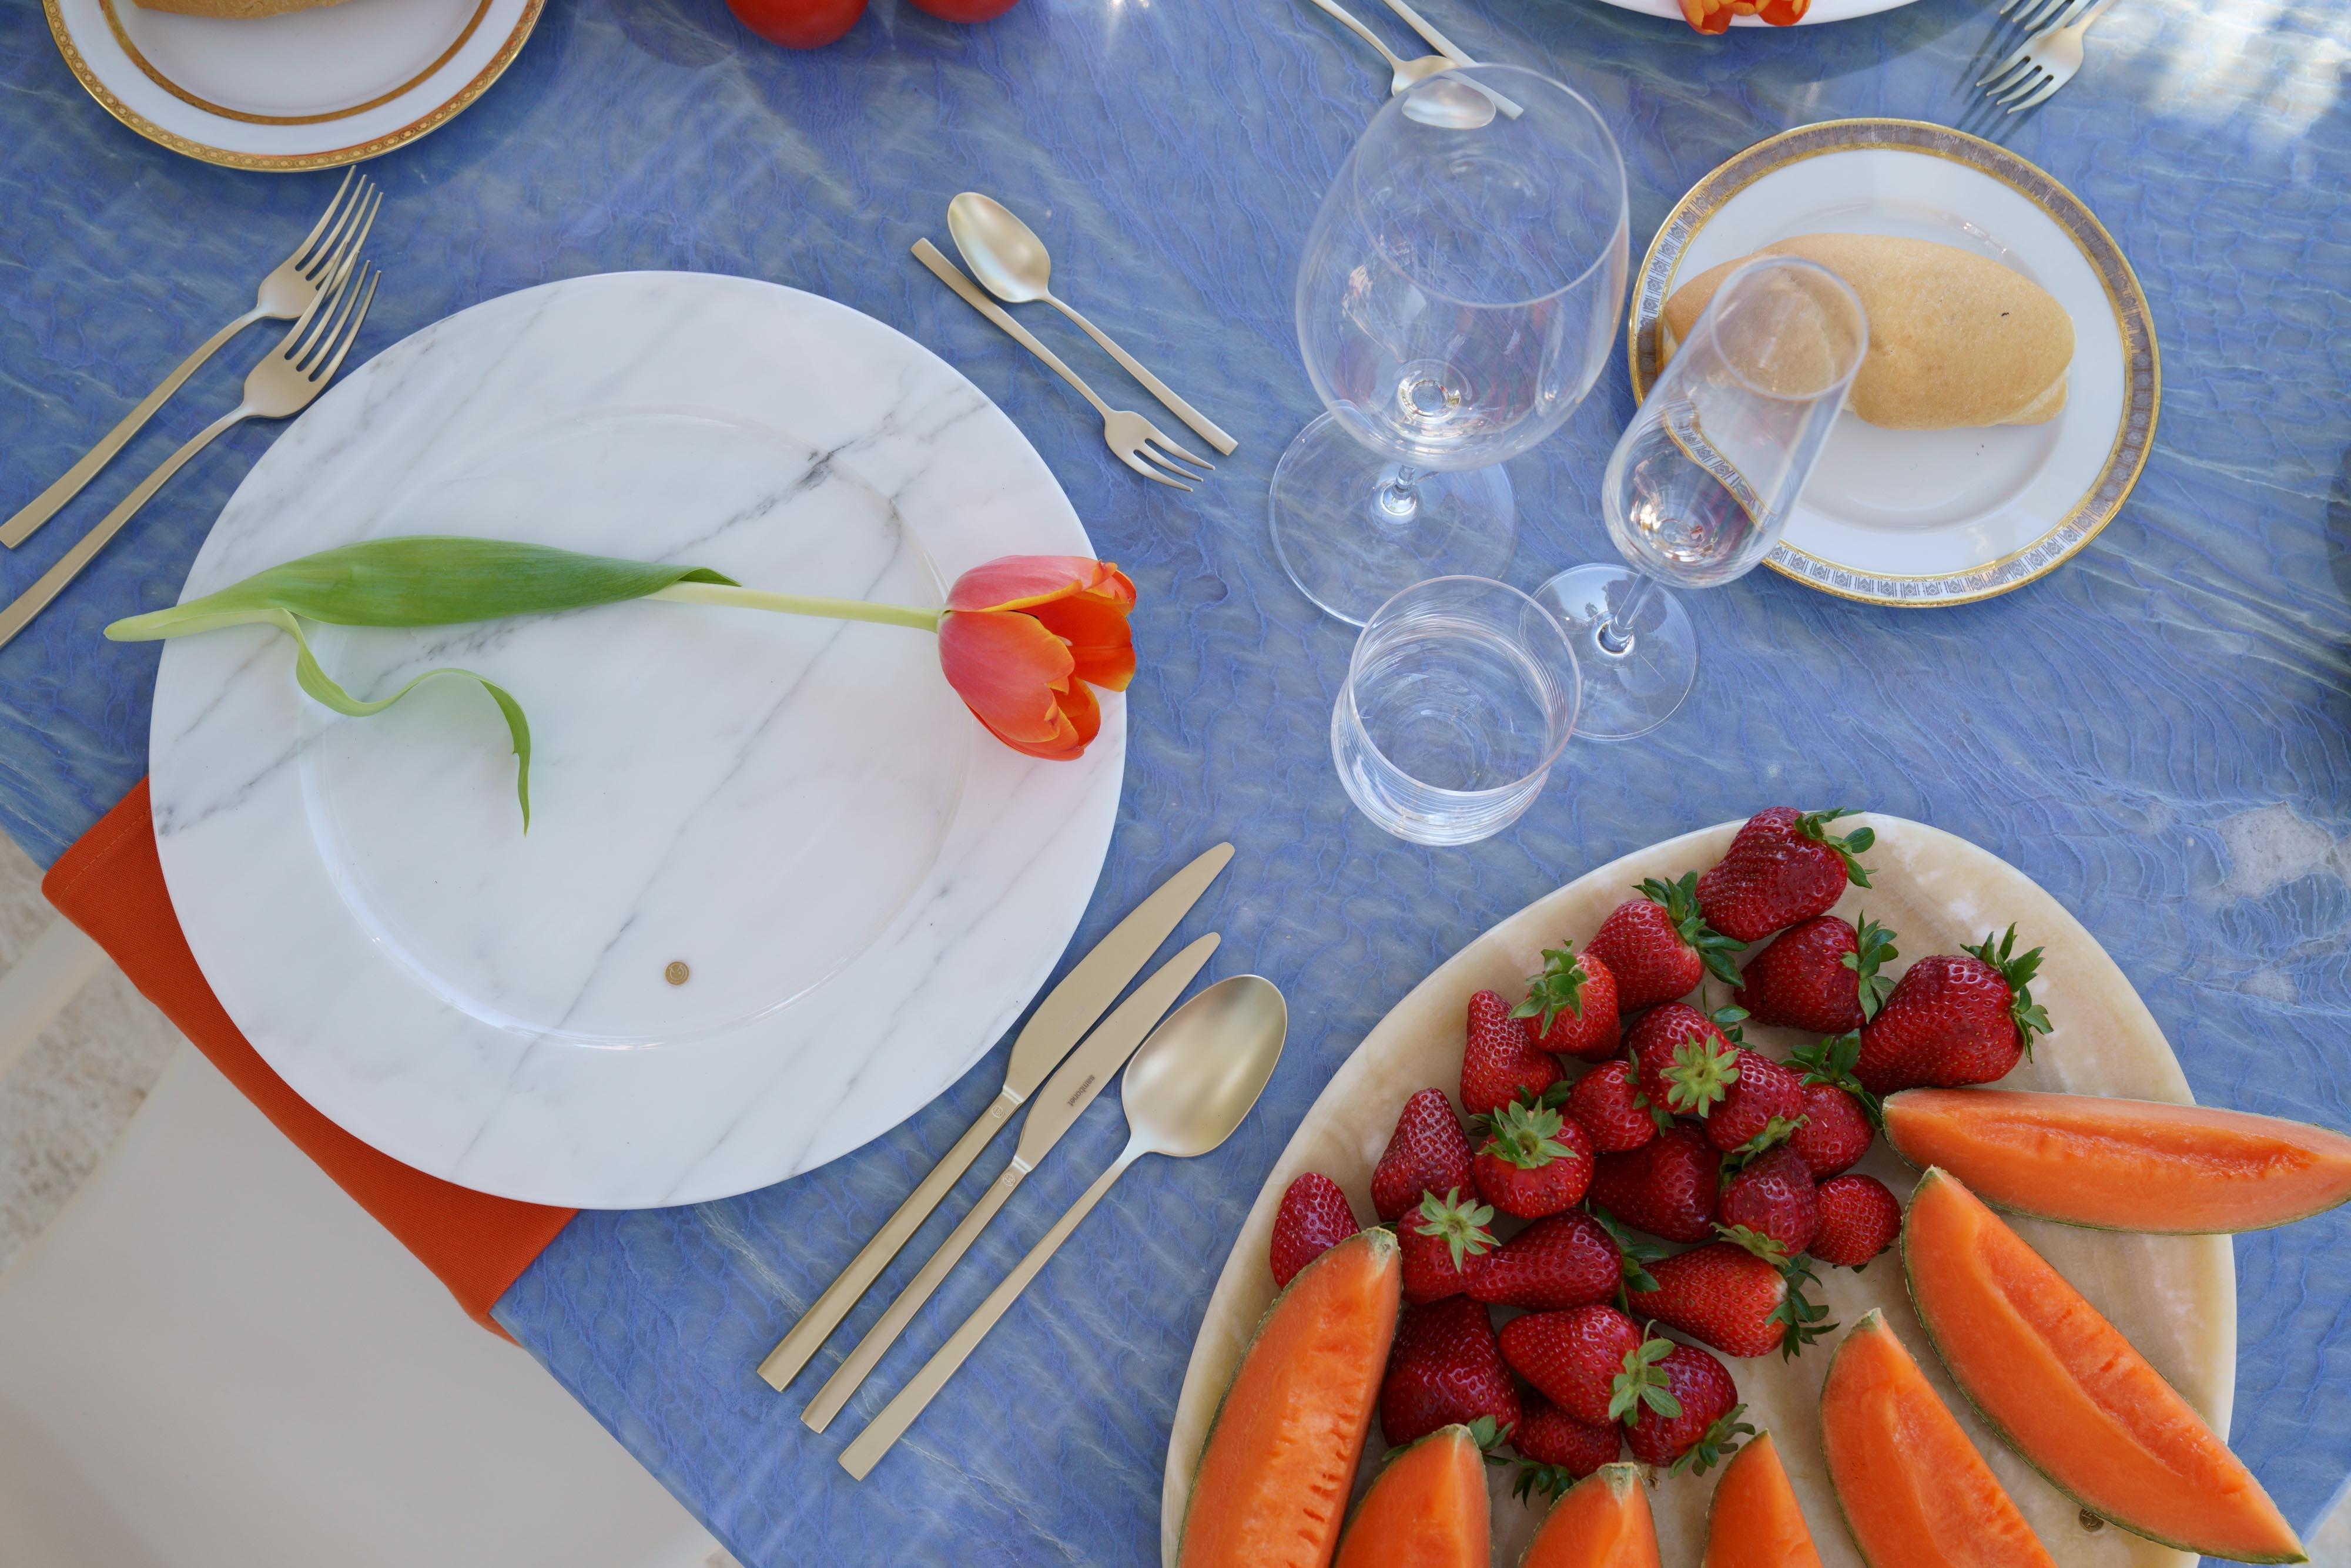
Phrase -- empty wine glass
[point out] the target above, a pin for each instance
(1457, 299)
(1459, 697)
(1701, 483)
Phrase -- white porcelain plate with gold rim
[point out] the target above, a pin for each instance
(1820, 10)
(2174, 1296)
(303, 89)
(1918, 517)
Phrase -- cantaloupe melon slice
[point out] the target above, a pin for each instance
(1915, 1492)
(1279, 1461)
(2068, 1392)
(1426, 1509)
(1754, 1520)
(2123, 1164)
(1602, 1521)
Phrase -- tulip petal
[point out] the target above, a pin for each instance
(1019, 581)
(1098, 635)
(1009, 671)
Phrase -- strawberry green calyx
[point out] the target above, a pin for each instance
(1482, 1432)
(1643, 1381)
(1460, 1226)
(1559, 988)
(1549, 1480)
(1718, 1443)
(1635, 1254)
(1550, 1099)
(1875, 950)
(1700, 1076)
(1776, 1130)
(1681, 900)
(1831, 1063)
(1815, 825)
(1489, 1437)
(1798, 1313)
(2018, 970)
(1526, 1136)
(1755, 1242)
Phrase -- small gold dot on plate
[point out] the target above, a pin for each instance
(677, 973)
(2092, 1523)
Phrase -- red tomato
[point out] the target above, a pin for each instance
(798, 23)
(965, 10)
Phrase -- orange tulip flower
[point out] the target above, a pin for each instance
(1026, 639)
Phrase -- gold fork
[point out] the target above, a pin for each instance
(289, 290)
(281, 386)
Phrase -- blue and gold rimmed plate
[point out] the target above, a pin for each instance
(1920, 518)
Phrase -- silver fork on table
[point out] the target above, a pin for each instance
(288, 291)
(1132, 438)
(2045, 61)
(282, 385)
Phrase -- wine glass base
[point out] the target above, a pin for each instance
(1350, 550)
(1627, 691)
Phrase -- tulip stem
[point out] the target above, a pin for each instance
(801, 604)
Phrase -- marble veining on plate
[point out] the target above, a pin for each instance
(778, 885)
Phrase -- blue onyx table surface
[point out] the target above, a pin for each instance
(2155, 731)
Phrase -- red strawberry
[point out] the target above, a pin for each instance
(1561, 1450)
(1497, 1061)
(1835, 1131)
(1820, 974)
(1573, 1357)
(1859, 1220)
(1953, 1021)
(1314, 1217)
(1571, 1007)
(1445, 1368)
(1734, 1300)
(1685, 1062)
(1442, 1245)
(1680, 1407)
(1608, 1105)
(1666, 1188)
(1535, 1163)
(1783, 866)
(1772, 1198)
(1760, 1108)
(1566, 1261)
(1426, 1153)
(1659, 947)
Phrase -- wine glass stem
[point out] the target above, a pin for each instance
(1400, 495)
(1615, 634)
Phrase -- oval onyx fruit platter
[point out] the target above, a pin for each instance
(1996, 1327)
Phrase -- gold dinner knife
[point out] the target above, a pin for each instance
(1059, 1104)
(1064, 1016)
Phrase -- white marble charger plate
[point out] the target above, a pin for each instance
(304, 89)
(1943, 516)
(864, 888)
(2175, 1297)
(1819, 11)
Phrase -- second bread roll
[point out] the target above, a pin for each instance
(1955, 339)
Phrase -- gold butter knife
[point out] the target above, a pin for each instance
(1064, 1016)
(1059, 1105)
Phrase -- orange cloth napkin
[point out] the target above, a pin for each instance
(111, 884)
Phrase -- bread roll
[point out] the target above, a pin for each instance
(239, 8)
(1955, 339)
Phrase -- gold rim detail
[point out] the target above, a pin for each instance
(123, 36)
(292, 163)
(2143, 368)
